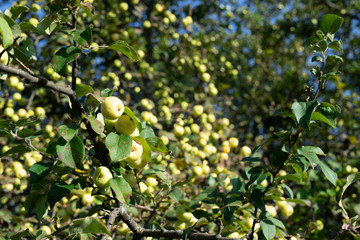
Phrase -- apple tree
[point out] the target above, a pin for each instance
(145, 119)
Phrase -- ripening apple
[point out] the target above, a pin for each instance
(151, 182)
(129, 176)
(9, 112)
(245, 151)
(112, 108)
(198, 110)
(183, 215)
(205, 77)
(87, 199)
(198, 171)
(125, 125)
(178, 130)
(233, 142)
(147, 24)
(102, 176)
(139, 164)
(13, 81)
(271, 209)
(46, 229)
(123, 6)
(20, 86)
(287, 210)
(136, 152)
(4, 57)
(39, 111)
(34, 22)
(128, 76)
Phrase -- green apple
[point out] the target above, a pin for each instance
(159, 8)
(46, 229)
(4, 57)
(87, 199)
(187, 21)
(9, 112)
(147, 24)
(198, 171)
(198, 110)
(271, 209)
(22, 113)
(125, 125)
(102, 176)
(183, 215)
(13, 81)
(17, 96)
(205, 77)
(136, 152)
(245, 151)
(213, 91)
(40, 112)
(138, 164)
(178, 130)
(287, 210)
(123, 6)
(34, 22)
(20, 86)
(151, 182)
(233, 142)
(35, 7)
(112, 108)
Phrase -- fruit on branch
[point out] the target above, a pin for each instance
(112, 108)
(205, 77)
(233, 142)
(40, 112)
(4, 57)
(87, 199)
(271, 209)
(139, 163)
(183, 214)
(198, 110)
(102, 176)
(287, 210)
(245, 151)
(46, 229)
(125, 125)
(136, 152)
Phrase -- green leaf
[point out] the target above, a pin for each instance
(257, 197)
(316, 59)
(15, 28)
(21, 235)
(319, 117)
(311, 40)
(25, 132)
(147, 131)
(128, 112)
(310, 153)
(330, 75)
(119, 146)
(83, 89)
(329, 110)
(121, 188)
(64, 56)
(67, 132)
(287, 190)
(303, 112)
(146, 148)
(40, 170)
(126, 49)
(330, 23)
(6, 124)
(329, 174)
(15, 11)
(71, 153)
(28, 122)
(6, 33)
(320, 46)
(89, 8)
(336, 45)
(27, 27)
(268, 228)
(57, 191)
(17, 149)
(48, 24)
(176, 194)
(87, 35)
(26, 51)
(277, 222)
(88, 225)
(349, 180)
(156, 144)
(4, 133)
(96, 125)
(41, 207)
(334, 59)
